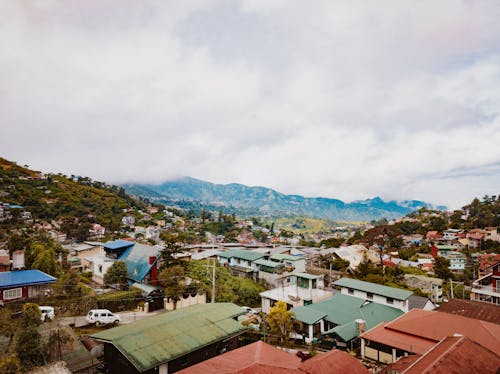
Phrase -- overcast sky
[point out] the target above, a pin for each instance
(344, 99)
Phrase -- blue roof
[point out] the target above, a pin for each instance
(24, 278)
(137, 260)
(118, 244)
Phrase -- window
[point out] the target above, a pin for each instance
(390, 300)
(351, 291)
(15, 293)
(369, 295)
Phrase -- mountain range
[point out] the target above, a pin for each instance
(265, 200)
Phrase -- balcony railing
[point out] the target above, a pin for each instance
(486, 288)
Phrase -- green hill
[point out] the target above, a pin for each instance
(55, 196)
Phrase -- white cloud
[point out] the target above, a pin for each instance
(340, 99)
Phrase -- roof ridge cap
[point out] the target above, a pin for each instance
(441, 356)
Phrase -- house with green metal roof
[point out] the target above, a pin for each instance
(279, 269)
(390, 296)
(296, 263)
(241, 261)
(340, 319)
(171, 341)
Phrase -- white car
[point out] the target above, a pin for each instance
(47, 313)
(102, 317)
(249, 310)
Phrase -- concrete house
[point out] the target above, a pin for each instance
(390, 296)
(304, 289)
(241, 261)
(487, 288)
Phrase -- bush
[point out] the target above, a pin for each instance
(119, 301)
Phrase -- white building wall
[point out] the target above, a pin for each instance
(266, 305)
(401, 305)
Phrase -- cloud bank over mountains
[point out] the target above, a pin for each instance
(343, 99)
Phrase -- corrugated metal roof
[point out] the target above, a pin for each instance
(472, 309)
(282, 257)
(118, 244)
(307, 315)
(271, 264)
(137, 260)
(242, 254)
(308, 276)
(343, 310)
(155, 340)
(24, 277)
(374, 288)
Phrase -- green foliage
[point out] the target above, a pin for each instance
(331, 242)
(10, 365)
(116, 274)
(68, 283)
(172, 278)
(441, 268)
(483, 213)
(340, 264)
(119, 301)
(491, 246)
(228, 287)
(46, 261)
(57, 196)
(406, 253)
(280, 322)
(29, 348)
(374, 278)
(32, 316)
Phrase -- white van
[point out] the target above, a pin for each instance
(47, 313)
(102, 317)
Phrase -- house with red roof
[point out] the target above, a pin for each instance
(487, 288)
(476, 237)
(486, 263)
(454, 354)
(417, 331)
(262, 358)
(433, 236)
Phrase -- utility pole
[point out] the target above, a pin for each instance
(213, 277)
(213, 281)
(451, 288)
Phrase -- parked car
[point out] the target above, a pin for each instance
(47, 313)
(102, 317)
(249, 310)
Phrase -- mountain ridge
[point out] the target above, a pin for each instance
(268, 200)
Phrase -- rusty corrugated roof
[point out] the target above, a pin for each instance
(456, 354)
(257, 357)
(472, 309)
(155, 340)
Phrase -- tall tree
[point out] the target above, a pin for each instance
(173, 280)
(116, 274)
(29, 348)
(442, 268)
(280, 322)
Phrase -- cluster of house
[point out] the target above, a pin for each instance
(386, 325)
(206, 338)
(7, 212)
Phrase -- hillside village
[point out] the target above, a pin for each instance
(198, 290)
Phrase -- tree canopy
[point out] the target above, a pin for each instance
(116, 274)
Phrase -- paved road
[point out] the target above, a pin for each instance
(125, 317)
